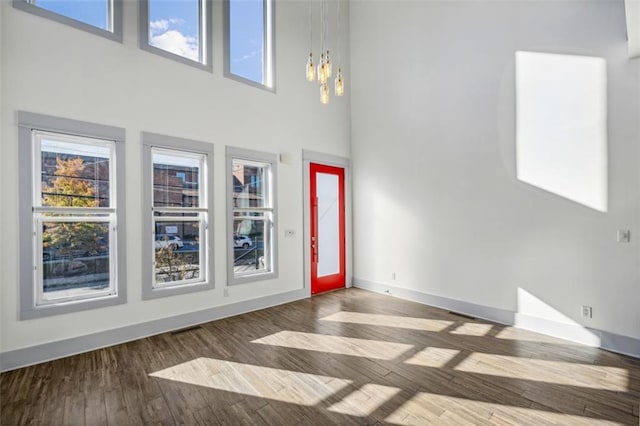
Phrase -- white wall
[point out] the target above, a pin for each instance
(53, 69)
(3, 178)
(632, 8)
(436, 199)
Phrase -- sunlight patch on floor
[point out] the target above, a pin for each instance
(514, 333)
(253, 380)
(335, 344)
(395, 321)
(429, 408)
(433, 357)
(562, 373)
(365, 400)
(473, 329)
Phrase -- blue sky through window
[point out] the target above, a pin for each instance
(174, 26)
(92, 12)
(246, 39)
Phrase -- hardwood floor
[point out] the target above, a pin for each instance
(348, 357)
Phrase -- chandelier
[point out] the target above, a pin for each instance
(324, 70)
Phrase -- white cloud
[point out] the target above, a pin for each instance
(158, 26)
(248, 56)
(175, 42)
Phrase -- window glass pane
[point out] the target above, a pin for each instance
(249, 184)
(174, 26)
(76, 258)
(177, 251)
(246, 39)
(93, 12)
(74, 174)
(176, 180)
(251, 245)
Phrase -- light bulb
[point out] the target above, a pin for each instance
(327, 65)
(339, 84)
(322, 73)
(324, 93)
(322, 70)
(311, 69)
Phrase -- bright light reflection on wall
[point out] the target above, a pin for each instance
(473, 329)
(335, 344)
(365, 400)
(433, 357)
(538, 370)
(532, 308)
(561, 116)
(429, 408)
(252, 380)
(389, 321)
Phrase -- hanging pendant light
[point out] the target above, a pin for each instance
(323, 70)
(339, 84)
(311, 69)
(324, 93)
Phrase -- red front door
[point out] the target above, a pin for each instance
(327, 228)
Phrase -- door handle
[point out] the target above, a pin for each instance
(314, 237)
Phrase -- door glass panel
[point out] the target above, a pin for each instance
(328, 220)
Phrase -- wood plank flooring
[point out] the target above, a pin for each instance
(347, 357)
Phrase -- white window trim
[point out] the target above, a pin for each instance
(262, 157)
(115, 33)
(269, 52)
(205, 43)
(27, 123)
(149, 142)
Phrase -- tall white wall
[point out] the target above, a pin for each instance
(3, 178)
(436, 199)
(53, 69)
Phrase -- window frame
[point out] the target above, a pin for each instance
(205, 44)
(115, 12)
(30, 265)
(269, 51)
(233, 153)
(187, 146)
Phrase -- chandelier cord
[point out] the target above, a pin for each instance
(338, 32)
(310, 26)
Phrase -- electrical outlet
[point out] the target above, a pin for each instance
(226, 292)
(393, 276)
(624, 236)
(587, 311)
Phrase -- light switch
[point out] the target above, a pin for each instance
(624, 236)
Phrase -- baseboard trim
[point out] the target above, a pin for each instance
(24, 357)
(573, 332)
(501, 316)
(588, 336)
